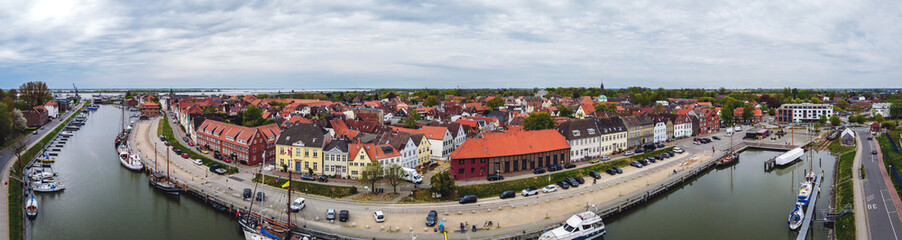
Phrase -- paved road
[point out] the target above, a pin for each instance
(7, 154)
(882, 216)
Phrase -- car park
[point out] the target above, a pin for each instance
(529, 191)
(379, 216)
(569, 166)
(431, 218)
(508, 194)
(636, 164)
(538, 171)
(549, 188)
(298, 204)
(330, 214)
(563, 184)
(343, 215)
(495, 177)
(308, 177)
(467, 199)
(594, 174)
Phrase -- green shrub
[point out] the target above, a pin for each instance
(311, 188)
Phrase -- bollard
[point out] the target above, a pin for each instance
(460, 212)
(411, 229)
(381, 227)
(474, 211)
(490, 210)
(397, 229)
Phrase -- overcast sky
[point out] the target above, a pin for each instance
(449, 44)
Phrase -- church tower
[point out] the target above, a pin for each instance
(602, 87)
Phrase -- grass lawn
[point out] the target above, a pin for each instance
(311, 187)
(845, 226)
(890, 156)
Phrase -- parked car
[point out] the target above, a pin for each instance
(874, 151)
(467, 199)
(605, 158)
(431, 218)
(870, 137)
(594, 174)
(198, 162)
(226, 159)
(628, 153)
(322, 179)
(610, 171)
(204, 151)
(190, 143)
(330, 214)
(636, 164)
(678, 150)
(247, 193)
(529, 191)
(261, 196)
(658, 157)
(555, 167)
(594, 160)
(162, 138)
(217, 155)
(618, 170)
(650, 159)
(343, 215)
(639, 150)
(166, 143)
(661, 145)
(580, 180)
(508, 194)
(308, 177)
(379, 216)
(569, 166)
(185, 155)
(549, 188)
(563, 184)
(298, 204)
(495, 177)
(538, 171)
(572, 182)
(716, 138)
(643, 161)
(216, 168)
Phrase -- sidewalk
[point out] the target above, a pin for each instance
(886, 179)
(861, 221)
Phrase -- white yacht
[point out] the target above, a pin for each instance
(796, 217)
(47, 186)
(66, 133)
(585, 225)
(805, 193)
(131, 162)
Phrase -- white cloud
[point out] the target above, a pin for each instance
(446, 44)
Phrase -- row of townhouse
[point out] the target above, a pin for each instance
(593, 137)
(248, 145)
(309, 147)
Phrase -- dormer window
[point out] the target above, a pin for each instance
(591, 131)
(576, 133)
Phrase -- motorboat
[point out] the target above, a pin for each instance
(805, 193)
(796, 217)
(39, 174)
(66, 133)
(31, 207)
(131, 162)
(585, 225)
(47, 186)
(810, 177)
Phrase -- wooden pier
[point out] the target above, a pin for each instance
(809, 212)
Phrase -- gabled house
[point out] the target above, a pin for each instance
(300, 148)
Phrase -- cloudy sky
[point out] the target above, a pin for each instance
(448, 44)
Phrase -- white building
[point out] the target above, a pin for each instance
(660, 130)
(805, 112)
(613, 135)
(880, 108)
(53, 109)
(682, 127)
(583, 137)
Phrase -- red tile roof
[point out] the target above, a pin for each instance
(511, 143)
(223, 130)
(431, 132)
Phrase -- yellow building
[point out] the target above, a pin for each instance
(358, 159)
(424, 148)
(300, 147)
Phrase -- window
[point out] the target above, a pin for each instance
(461, 161)
(472, 170)
(306, 152)
(576, 133)
(314, 166)
(591, 130)
(314, 152)
(482, 169)
(460, 171)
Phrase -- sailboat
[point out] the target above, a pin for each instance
(163, 182)
(730, 159)
(253, 226)
(31, 208)
(796, 217)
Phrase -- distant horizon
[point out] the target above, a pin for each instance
(213, 90)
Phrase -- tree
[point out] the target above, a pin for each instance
(495, 103)
(538, 121)
(889, 125)
(443, 184)
(563, 111)
(772, 112)
(5, 123)
(251, 116)
(822, 119)
(372, 173)
(879, 118)
(841, 104)
(726, 114)
(895, 109)
(834, 120)
(431, 101)
(658, 109)
(34, 93)
(394, 176)
(748, 111)
(411, 120)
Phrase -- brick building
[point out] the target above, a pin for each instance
(150, 109)
(509, 152)
(248, 145)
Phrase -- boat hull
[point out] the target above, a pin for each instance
(166, 189)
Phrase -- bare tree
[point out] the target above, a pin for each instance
(394, 176)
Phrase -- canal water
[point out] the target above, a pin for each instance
(740, 202)
(103, 200)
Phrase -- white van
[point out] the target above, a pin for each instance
(298, 204)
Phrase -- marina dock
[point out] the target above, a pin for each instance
(809, 212)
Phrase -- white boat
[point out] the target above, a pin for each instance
(796, 217)
(804, 194)
(44, 186)
(66, 133)
(585, 225)
(31, 207)
(789, 157)
(131, 162)
(38, 175)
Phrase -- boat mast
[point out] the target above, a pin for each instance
(288, 236)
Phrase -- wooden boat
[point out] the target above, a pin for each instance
(31, 207)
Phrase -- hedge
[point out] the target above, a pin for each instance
(166, 131)
(890, 157)
(310, 187)
(845, 225)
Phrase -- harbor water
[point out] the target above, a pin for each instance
(103, 200)
(739, 202)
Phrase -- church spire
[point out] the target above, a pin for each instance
(602, 86)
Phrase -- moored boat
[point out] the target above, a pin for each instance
(585, 225)
(804, 194)
(796, 217)
(66, 133)
(163, 183)
(31, 207)
(728, 160)
(131, 162)
(47, 186)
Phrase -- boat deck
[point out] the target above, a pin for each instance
(806, 223)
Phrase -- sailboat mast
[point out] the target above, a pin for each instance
(288, 236)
